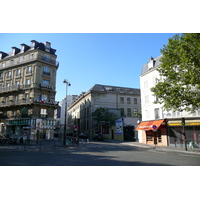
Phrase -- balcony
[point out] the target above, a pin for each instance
(27, 58)
(9, 88)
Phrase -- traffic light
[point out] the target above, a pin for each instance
(183, 121)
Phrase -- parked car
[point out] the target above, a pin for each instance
(98, 137)
(83, 136)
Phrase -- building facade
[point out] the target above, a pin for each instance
(27, 90)
(170, 133)
(124, 102)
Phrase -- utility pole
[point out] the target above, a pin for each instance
(183, 124)
(65, 125)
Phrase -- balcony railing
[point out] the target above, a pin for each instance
(26, 59)
(27, 101)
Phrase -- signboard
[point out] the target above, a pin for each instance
(119, 125)
(75, 127)
(38, 124)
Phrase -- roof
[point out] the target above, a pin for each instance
(115, 89)
(157, 62)
(38, 45)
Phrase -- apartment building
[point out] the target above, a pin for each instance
(124, 102)
(153, 127)
(27, 90)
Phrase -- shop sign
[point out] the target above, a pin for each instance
(187, 124)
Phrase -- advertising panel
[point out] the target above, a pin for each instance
(119, 126)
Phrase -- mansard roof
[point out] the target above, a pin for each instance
(145, 68)
(115, 89)
(37, 45)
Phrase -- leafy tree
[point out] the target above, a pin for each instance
(103, 114)
(179, 85)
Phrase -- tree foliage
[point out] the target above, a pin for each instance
(179, 85)
(103, 114)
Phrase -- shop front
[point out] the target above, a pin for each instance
(153, 132)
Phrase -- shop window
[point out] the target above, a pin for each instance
(149, 136)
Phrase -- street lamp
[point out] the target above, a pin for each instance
(65, 126)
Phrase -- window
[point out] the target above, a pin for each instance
(9, 74)
(122, 112)
(18, 73)
(46, 70)
(146, 99)
(28, 81)
(121, 99)
(1, 75)
(31, 56)
(47, 58)
(43, 112)
(45, 82)
(22, 48)
(135, 100)
(21, 58)
(129, 112)
(11, 62)
(7, 84)
(17, 82)
(135, 112)
(29, 69)
(3, 64)
(128, 100)
(44, 96)
(156, 112)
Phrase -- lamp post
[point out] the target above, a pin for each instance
(65, 126)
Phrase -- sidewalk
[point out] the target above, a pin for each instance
(161, 148)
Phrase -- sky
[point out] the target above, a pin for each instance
(86, 59)
(97, 42)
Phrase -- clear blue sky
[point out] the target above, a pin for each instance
(95, 58)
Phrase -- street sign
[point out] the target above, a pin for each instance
(154, 127)
(76, 127)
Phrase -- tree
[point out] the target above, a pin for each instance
(103, 115)
(179, 85)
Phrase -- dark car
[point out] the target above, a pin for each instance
(83, 136)
(98, 137)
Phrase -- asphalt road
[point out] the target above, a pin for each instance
(95, 154)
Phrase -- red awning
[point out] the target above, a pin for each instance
(150, 125)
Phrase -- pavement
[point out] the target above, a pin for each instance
(182, 149)
(58, 144)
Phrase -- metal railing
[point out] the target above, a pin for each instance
(27, 58)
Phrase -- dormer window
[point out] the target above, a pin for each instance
(13, 51)
(22, 47)
(47, 46)
(151, 63)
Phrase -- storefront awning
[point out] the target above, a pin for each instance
(149, 125)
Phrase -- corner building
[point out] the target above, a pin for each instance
(159, 126)
(27, 91)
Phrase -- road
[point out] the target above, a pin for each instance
(96, 154)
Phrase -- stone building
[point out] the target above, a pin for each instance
(27, 90)
(124, 102)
